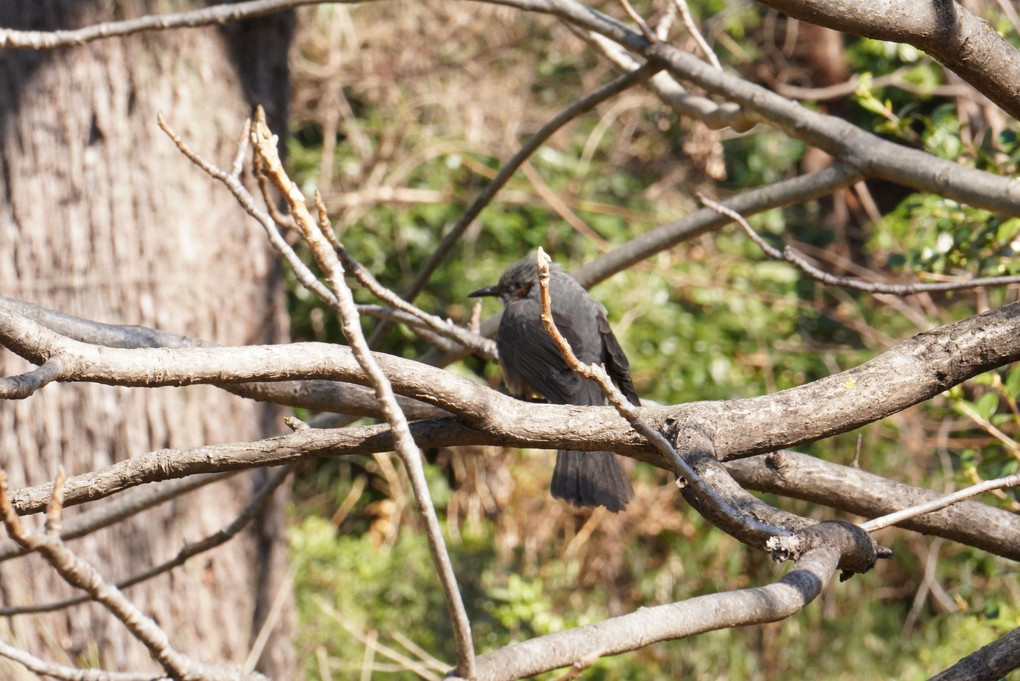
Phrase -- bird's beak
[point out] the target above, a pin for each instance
(487, 291)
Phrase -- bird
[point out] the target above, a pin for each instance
(532, 365)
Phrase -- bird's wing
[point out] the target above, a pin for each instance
(615, 360)
(528, 355)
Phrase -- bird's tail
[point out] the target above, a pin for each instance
(591, 479)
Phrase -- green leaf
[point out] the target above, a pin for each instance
(1012, 382)
(987, 404)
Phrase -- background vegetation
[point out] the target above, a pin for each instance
(400, 108)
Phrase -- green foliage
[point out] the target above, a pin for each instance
(346, 584)
(931, 234)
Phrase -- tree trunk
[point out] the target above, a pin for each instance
(101, 217)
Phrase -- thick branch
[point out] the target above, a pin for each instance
(970, 523)
(913, 371)
(694, 439)
(992, 662)
(853, 490)
(152, 367)
(583, 645)
(313, 395)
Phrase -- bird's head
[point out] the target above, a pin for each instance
(518, 281)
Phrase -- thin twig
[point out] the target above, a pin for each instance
(276, 609)
(119, 509)
(427, 658)
(314, 232)
(666, 22)
(244, 197)
(83, 575)
(646, 31)
(1009, 443)
(216, 15)
(64, 673)
(941, 502)
(789, 255)
(404, 661)
(55, 509)
(692, 28)
(285, 221)
(474, 342)
(189, 551)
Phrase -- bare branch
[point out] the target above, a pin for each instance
(25, 385)
(313, 395)
(894, 79)
(479, 345)
(789, 255)
(788, 192)
(646, 31)
(1011, 445)
(189, 551)
(715, 115)
(992, 662)
(55, 509)
(82, 575)
(65, 673)
(692, 28)
(216, 15)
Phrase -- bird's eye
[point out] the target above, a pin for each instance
(521, 290)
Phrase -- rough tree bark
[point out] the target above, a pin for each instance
(101, 216)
